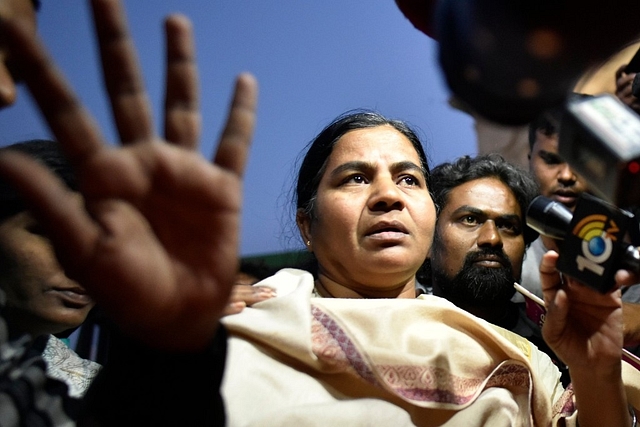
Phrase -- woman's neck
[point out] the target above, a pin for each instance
(329, 288)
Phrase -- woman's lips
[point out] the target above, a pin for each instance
(387, 235)
(388, 232)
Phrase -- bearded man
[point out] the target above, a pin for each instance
(480, 240)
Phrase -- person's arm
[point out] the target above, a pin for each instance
(156, 239)
(157, 388)
(584, 328)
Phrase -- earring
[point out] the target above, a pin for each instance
(308, 242)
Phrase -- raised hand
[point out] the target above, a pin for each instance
(584, 328)
(156, 237)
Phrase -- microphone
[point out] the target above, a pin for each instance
(591, 239)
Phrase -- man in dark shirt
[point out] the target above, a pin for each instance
(480, 239)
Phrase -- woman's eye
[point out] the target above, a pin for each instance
(409, 180)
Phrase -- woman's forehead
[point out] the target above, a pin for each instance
(377, 143)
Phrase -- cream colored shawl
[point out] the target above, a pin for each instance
(300, 361)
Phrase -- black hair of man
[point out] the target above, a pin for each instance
(447, 176)
(548, 122)
(47, 153)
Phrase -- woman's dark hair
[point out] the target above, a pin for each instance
(447, 176)
(319, 149)
(47, 153)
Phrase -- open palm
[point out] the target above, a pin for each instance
(155, 239)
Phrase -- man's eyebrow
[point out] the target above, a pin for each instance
(549, 154)
(469, 209)
(481, 213)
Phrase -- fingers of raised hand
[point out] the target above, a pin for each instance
(549, 277)
(122, 75)
(182, 112)
(72, 125)
(233, 147)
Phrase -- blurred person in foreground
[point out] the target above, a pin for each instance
(40, 299)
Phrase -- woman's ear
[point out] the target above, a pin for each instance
(304, 227)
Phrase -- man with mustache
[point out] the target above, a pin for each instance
(556, 180)
(480, 240)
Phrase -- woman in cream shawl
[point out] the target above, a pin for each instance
(369, 353)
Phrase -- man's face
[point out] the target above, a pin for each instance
(478, 244)
(11, 10)
(554, 176)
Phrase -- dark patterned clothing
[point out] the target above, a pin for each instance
(139, 386)
(27, 396)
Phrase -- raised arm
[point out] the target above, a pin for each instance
(155, 239)
(584, 328)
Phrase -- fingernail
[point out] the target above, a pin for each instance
(266, 291)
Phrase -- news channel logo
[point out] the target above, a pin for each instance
(598, 234)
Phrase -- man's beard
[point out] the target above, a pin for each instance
(475, 285)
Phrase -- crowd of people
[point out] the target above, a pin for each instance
(148, 232)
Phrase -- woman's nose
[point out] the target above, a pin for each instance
(386, 195)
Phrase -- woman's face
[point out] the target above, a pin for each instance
(41, 299)
(374, 217)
